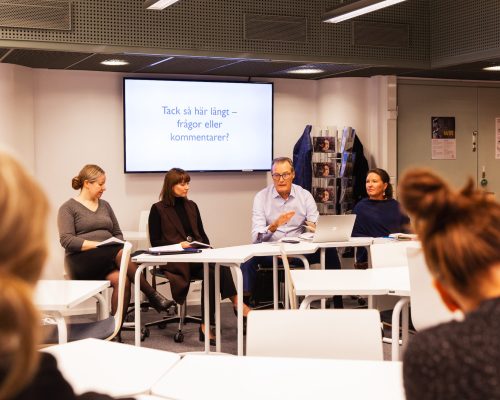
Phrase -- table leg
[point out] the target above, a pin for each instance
(137, 304)
(62, 329)
(395, 327)
(275, 282)
(306, 303)
(206, 309)
(322, 261)
(102, 306)
(406, 323)
(239, 292)
(217, 307)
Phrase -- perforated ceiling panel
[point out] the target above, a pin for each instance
(36, 14)
(217, 27)
(463, 29)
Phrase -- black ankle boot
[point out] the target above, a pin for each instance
(201, 336)
(159, 302)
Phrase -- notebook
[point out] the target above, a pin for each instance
(334, 228)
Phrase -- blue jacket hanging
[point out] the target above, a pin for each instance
(302, 160)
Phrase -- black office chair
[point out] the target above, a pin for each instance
(181, 317)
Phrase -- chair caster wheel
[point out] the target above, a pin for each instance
(144, 334)
(162, 325)
(179, 337)
(144, 308)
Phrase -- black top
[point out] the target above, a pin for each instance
(182, 214)
(456, 360)
(48, 383)
(377, 218)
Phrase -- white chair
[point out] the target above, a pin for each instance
(338, 334)
(290, 288)
(106, 328)
(427, 308)
(390, 254)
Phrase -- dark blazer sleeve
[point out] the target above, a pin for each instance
(200, 226)
(154, 226)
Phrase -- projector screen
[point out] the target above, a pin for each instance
(197, 125)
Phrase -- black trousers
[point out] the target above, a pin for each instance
(227, 288)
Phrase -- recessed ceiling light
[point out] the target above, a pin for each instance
(306, 71)
(114, 62)
(493, 68)
(158, 4)
(357, 8)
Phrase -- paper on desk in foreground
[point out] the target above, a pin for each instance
(170, 247)
(111, 241)
(199, 245)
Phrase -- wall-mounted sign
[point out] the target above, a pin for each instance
(444, 144)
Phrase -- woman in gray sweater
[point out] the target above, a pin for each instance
(86, 220)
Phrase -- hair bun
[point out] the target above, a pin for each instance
(76, 183)
(424, 194)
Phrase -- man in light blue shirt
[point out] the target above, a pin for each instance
(281, 210)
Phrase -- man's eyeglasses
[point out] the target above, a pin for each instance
(285, 176)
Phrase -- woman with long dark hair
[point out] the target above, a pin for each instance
(176, 219)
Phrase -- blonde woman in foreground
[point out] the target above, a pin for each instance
(460, 234)
(25, 374)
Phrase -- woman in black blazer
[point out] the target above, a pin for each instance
(176, 219)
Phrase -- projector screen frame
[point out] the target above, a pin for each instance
(266, 169)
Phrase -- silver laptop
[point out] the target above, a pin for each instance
(334, 228)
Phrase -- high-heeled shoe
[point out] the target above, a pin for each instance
(201, 337)
(159, 302)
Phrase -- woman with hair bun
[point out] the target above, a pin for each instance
(378, 215)
(460, 234)
(86, 220)
(25, 373)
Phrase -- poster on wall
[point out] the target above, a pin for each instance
(444, 143)
(324, 195)
(497, 138)
(324, 144)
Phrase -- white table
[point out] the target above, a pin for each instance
(57, 297)
(352, 242)
(318, 284)
(229, 377)
(112, 368)
(232, 257)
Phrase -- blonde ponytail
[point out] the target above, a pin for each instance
(23, 250)
(19, 335)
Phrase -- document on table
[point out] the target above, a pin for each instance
(170, 247)
(111, 241)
